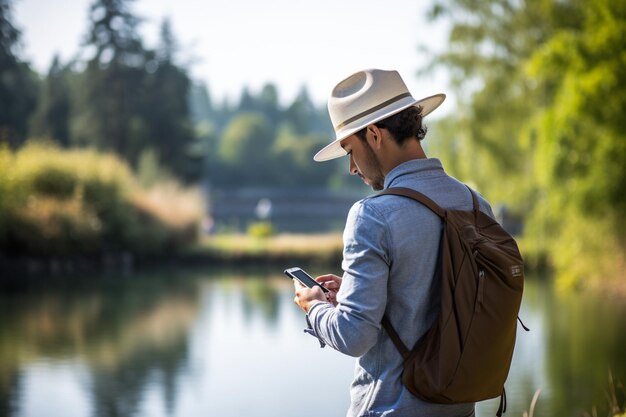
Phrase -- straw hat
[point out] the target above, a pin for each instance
(367, 97)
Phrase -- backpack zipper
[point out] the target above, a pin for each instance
(480, 291)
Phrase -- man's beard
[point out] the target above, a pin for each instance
(372, 163)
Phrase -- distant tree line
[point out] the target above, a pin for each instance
(119, 95)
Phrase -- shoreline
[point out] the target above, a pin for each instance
(231, 251)
(212, 251)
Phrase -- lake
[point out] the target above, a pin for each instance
(231, 343)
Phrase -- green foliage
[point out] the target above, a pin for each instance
(541, 125)
(582, 133)
(58, 203)
(581, 137)
(292, 154)
(247, 140)
(245, 150)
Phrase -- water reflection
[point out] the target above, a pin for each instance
(123, 333)
(231, 343)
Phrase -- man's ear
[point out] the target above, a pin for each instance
(374, 136)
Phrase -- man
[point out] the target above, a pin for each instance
(391, 243)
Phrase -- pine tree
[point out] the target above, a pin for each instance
(18, 88)
(53, 112)
(113, 81)
(166, 108)
(301, 114)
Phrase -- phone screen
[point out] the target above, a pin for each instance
(304, 278)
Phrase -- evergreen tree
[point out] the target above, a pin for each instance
(53, 112)
(247, 102)
(166, 111)
(268, 104)
(301, 114)
(200, 104)
(113, 81)
(265, 103)
(18, 87)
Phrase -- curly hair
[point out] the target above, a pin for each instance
(402, 126)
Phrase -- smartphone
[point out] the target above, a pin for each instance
(306, 279)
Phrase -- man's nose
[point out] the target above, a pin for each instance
(352, 165)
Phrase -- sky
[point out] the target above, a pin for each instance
(232, 44)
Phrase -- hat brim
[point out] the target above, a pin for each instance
(334, 150)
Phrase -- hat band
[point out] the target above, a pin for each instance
(372, 110)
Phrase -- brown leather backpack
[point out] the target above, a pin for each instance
(465, 356)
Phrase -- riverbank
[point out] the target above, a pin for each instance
(242, 250)
(222, 250)
(281, 249)
(326, 250)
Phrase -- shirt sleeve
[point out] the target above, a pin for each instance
(352, 327)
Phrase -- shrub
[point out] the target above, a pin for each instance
(57, 202)
(47, 226)
(261, 229)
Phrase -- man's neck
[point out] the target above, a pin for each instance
(410, 149)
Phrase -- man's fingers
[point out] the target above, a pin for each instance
(331, 285)
(327, 278)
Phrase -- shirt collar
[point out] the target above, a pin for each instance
(414, 168)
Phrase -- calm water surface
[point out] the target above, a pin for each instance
(211, 343)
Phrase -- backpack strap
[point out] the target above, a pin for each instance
(395, 338)
(475, 204)
(415, 195)
(435, 208)
(502, 407)
(439, 211)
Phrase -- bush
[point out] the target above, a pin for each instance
(55, 227)
(261, 229)
(63, 203)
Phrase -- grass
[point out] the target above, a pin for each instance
(282, 247)
(533, 403)
(617, 405)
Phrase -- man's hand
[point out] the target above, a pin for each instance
(306, 297)
(333, 283)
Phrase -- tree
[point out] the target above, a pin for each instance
(245, 150)
(247, 103)
(135, 100)
(113, 81)
(580, 136)
(543, 93)
(200, 104)
(490, 43)
(18, 87)
(581, 132)
(301, 114)
(293, 155)
(165, 109)
(52, 117)
(265, 103)
(268, 104)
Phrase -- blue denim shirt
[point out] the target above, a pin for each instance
(390, 250)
